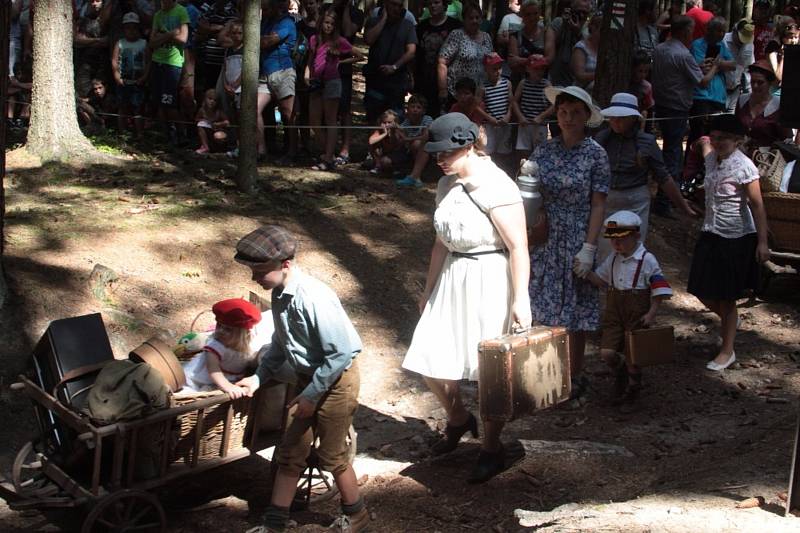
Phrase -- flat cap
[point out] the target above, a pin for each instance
(264, 245)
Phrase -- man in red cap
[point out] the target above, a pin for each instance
(316, 338)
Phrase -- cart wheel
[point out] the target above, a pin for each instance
(126, 510)
(27, 476)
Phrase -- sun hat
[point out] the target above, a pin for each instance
(537, 61)
(130, 18)
(450, 132)
(623, 105)
(492, 59)
(265, 245)
(765, 67)
(746, 31)
(236, 313)
(576, 92)
(727, 123)
(620, 224)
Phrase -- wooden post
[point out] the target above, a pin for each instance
(616, 49)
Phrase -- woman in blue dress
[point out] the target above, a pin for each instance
(574, 174)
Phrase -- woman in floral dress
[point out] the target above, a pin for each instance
(574, 175)
(462, 55)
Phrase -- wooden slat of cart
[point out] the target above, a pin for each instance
(119, 456)
(98, 455)
(167, 426)
(132, 457)
(226, 430)
(198, 436)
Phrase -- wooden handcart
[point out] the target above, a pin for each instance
(102, 475)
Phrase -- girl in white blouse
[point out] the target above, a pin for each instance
(734, 234)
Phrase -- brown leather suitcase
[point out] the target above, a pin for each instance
(651, 346)
(523, 372)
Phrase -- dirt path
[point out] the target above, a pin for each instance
(167, 227)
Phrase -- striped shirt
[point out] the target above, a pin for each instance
(495, 98)
(533, 102)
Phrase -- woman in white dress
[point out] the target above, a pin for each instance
(477, 280)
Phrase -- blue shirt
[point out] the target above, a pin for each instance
(278, 57)
(715, 91)
(312, 333)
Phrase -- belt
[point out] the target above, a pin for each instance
(474, 255)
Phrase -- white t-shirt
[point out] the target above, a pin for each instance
(727, 211)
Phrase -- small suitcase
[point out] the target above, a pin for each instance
(651, 346)
(66, 361)
(523, 372)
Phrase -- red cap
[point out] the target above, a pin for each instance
(236, 313)
(536, 61)
(492, 59)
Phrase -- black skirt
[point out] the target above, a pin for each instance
(723, 269)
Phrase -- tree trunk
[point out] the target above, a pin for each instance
(54, 133)
(248, 150)
(5, 27)
(616, 49)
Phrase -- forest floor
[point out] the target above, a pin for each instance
(167, 224)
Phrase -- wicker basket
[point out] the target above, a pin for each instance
(213, 427)
(770, 167)
(783, 214)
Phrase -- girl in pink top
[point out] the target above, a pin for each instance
(328, 50)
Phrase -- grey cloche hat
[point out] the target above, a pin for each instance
(451, 132)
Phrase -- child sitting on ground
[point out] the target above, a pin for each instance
(96, 106)
(636, 288)
(414, 133)
(497, 96)
(386, 146)
(212, 124)
(532, 107)
(230, 351)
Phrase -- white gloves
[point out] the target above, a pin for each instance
(584, 260)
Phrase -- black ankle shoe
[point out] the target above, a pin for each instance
(453, 434)
(489, 465)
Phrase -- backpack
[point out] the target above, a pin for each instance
(125, 390)
(300, 52)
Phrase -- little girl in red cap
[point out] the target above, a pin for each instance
(230, 351)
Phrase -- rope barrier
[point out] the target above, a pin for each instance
(353, 127)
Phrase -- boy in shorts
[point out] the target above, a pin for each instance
(636, 288)
(129, 66)
(167, 39)
(314, 335)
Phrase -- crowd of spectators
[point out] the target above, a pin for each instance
(179, 63)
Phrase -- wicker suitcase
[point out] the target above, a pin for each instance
(648, 347)
(523, 372)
